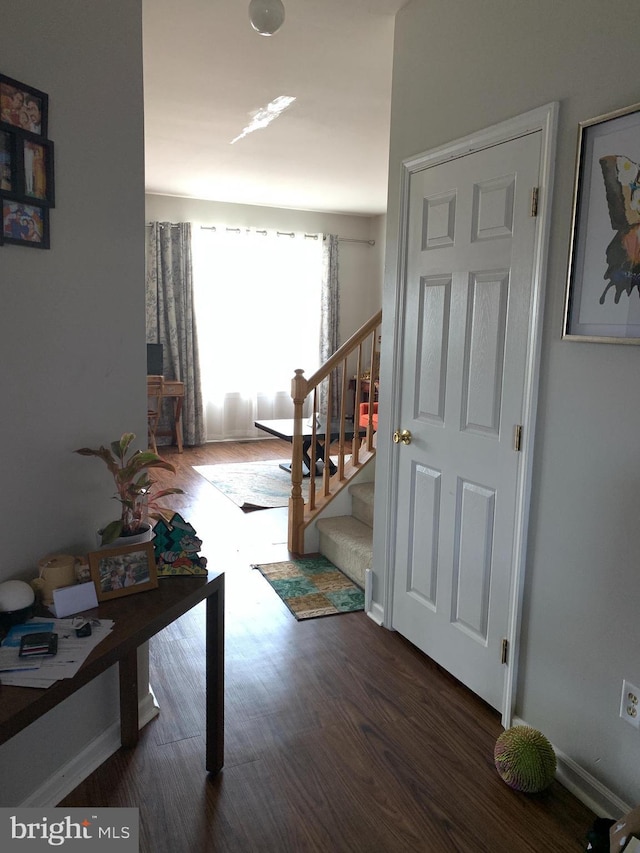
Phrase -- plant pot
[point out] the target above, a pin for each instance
(146, 535)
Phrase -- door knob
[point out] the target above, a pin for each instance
(403, 436)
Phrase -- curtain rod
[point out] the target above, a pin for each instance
(356, 240)
(290, 234)
(263, 231)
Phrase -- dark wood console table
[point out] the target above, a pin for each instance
(137, 618)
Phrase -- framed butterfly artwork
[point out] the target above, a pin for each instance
(602, 302)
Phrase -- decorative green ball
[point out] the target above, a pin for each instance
(525, 759)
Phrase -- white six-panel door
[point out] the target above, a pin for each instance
(470, 245)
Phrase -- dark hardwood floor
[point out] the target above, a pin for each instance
(340, 736)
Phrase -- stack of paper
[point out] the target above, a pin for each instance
(45, 671)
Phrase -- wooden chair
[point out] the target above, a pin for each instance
(155, 393)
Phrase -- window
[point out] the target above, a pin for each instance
(257, 303)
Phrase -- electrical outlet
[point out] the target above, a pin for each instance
(630, 704)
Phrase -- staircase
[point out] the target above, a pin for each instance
(347, 540)
(323, 398)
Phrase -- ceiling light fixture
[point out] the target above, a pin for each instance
(266, 16)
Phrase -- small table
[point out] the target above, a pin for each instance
(173, 390)
(136, 619)
(283, 428)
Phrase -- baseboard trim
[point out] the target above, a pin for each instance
(82, 765)
(70, 775)
(368, 589)
(148, 709)
(584, 786)
(376, 613)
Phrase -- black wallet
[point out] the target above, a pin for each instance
(40, 643)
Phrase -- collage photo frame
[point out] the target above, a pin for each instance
(27, 190)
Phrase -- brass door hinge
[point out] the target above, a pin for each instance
(517, 438)
(534, 200)
(504, 650)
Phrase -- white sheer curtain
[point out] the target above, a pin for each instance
(257, 305)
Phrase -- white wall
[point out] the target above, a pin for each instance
(360, 265)
(72, 342)
(460, 67)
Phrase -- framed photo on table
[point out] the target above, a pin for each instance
(123, 571)
(602, 301)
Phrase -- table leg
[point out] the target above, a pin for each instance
(128, 672)
(306, 458)
(215, 680)
(177, 422)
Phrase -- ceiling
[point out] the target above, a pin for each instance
(206, 71)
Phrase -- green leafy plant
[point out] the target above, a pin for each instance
(134, 486)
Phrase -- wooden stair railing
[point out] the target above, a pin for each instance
(324, 393)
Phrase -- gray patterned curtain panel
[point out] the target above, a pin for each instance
(330, 318)
(170, 316)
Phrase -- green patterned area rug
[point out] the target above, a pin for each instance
(252, 485)
(312, 587)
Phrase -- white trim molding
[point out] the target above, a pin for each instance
(376, 613)
(82, 765)
(584, 786)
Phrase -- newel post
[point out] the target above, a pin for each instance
(299, 393)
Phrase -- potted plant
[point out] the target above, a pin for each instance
(134, 486)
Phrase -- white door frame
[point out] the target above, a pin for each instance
(542, 119)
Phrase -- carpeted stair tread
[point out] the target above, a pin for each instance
(348, 543)
(362, 502)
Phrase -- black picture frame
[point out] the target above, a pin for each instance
(35, 175)
(22, 107)
(24, 223)
(27, 188)
(8, 163)
(26, 168)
